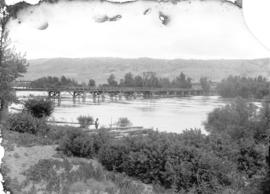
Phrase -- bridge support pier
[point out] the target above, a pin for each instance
(54, 94)
(103, 97)
(147, 94)
(84, 96)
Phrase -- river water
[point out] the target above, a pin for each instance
(165, 114)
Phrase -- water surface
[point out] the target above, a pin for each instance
(165, 114)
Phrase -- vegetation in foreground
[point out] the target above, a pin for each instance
(230, 159)
(39, 107)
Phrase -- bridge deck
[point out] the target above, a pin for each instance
(109, 89)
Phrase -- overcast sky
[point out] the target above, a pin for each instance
(202, 30)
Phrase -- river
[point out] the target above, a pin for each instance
(165, 114)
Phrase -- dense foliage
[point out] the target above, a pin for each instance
(150, 79)
(231, 157)
(237, 119)
(165, 159)
(26, 123)
(91, 83)
(79, 143)
(234, 86)
(39, 107)
(205, 84)
(240, 120)
(54, 82)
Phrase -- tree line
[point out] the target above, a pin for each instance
(54, 82)
(147, 79)
(230, 87)
(150, 79)
(245, 87)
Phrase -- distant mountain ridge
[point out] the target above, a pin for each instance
(83, 69)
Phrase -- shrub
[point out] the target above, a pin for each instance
(123, 122)
(162, 158)
(57, 132)
(26, 123)
(112, 156)
(251, 158)
(236, 119)
(85, 121)
(39, 107)
(77, 143)
(101, 138)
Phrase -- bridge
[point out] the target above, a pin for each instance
(113, 92)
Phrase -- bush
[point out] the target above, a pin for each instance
(26, 123)
(236, 119)
(162, 158)
(101, 138)
(123, 122)
(85, 121)
(57, 132)
(39, 107)
(77, 143)
(251, 158)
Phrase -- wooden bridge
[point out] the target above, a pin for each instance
(146, 92)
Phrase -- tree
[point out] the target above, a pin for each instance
(236, 119)
(150, 79)
(129, 80)
(92, 83)
(181, 81)
(245, 87)
(205, 84)
(12, 65)
(111, 80)
(138, 81)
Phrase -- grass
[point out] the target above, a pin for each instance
(12, 138)
(52, 137)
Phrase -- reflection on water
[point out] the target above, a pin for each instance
(165, 114)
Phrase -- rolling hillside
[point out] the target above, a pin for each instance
(83, 69)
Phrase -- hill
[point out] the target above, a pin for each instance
(83, 69)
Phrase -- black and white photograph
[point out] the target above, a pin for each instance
(134, 97)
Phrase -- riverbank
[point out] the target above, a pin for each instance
(230, 159)
(32, 164)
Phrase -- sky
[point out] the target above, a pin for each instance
(195, 29)
(256, 15)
